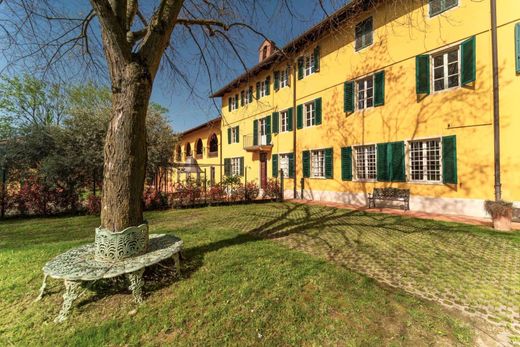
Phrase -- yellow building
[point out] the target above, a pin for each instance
(399, 94)
(199, 153)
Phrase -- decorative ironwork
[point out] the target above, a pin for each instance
(127, 243)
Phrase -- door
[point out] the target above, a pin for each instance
(263, 170)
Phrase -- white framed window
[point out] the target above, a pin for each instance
(446, 69)
(263, 89)
(318, 163)
(234, 135)
(365, 92)
(284, 78)
(284, 121)
(235, 166)
(244, 97)
(309, 64)
(439, 6)
(425, 160)
(233, 102)
(284, 164)
(364, 34)
(310, 114)
(366, 162)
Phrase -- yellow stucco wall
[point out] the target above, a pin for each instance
(400, 34)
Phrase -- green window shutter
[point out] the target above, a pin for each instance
(229, 136)
(275, 165)
(346, 163)
(267, 85)
(379, 88)
(449, 160)
(276, 80)
(468, 71)
(348, 97)
(382, 166)
(517, 47)
(227, 167)
(237, 136)
(276, 122)
(255, 132)
(241, 166)
(317, 107)
(316, 53)
(306, 163)
(229, 104)
(396, 154)
(242, 96)
(250, 94)
(300, 68)
(268, 129)
(291, 165)
(257, 90)
(422, 74)
(236, 101)
(290, 119)
(329, 165)
(299, 117)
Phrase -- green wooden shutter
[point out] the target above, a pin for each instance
(469, 61)
(379, 88)
(237, 134)
(257, 90)
(276, 122)
(382, 166)
(275, 165)
(316, 53)
(299, 117)
(241, 166)
(291, 165)
(396, 160)
(422, 74)
(348, 97)
(346, 163)
(300, 68)
(290, 119)
(229, 104)
(517, 47)
(317, 107)
(229, 136)
(268, 129)
(255, 132)
(227, 167)
(250, 94)
(276, 80)
(242, 96)
(449, 160)
(268, 85)
(306, 163)
(329, 163)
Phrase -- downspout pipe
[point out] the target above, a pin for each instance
(295, 189)
(496, 101)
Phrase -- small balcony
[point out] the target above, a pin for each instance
(262, 144)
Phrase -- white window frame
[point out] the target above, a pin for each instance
(442, 9)
(365, 100)
(357, 49)
(424, 158)
(234, 102)
(317, 163)
(445, 76)
(233, 134)
(308, 64)
(284, 78)
(235, 166)
(262, 89)
(246, 96)
(283, 163)
(367, 164)
(309, 117)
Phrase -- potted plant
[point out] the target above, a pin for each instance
(501, 212)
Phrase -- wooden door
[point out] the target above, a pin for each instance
(263, 170)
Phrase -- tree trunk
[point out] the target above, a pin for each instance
(125, 148)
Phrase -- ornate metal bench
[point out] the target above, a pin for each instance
(127, 253)
(390, 194)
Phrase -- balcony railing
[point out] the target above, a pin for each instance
(261, 145)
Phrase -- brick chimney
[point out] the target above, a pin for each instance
(266, 49)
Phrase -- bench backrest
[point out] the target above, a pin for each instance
(391, 193)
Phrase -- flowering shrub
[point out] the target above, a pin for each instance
(188, 192)
(251, 191)
(154, 199)
(93, 205)
(217, 193)
(272, 189)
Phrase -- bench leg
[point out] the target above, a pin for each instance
(136, 285)
(42, 289)
(72, 292)
(177, 261)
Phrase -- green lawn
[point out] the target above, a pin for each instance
(241, 285)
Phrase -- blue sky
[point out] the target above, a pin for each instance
(188, 108)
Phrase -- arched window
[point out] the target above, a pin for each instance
(199, 148)
(188, 150)
(178, 153)
(213, 145)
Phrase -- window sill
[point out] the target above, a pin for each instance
(365, 181)
(427, 183)
(212, 154)
(430, 15)
(361, 49)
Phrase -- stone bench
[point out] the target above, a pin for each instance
(390, 194)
